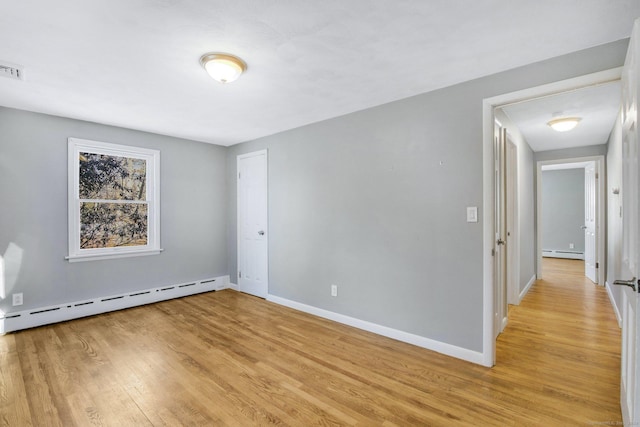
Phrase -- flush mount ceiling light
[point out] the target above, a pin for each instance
(564, 124)
(223, 67)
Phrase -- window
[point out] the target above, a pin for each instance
(114, 200)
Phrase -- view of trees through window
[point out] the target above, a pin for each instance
(113, 203)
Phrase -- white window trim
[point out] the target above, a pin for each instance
(152, 157)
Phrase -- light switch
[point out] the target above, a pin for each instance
(472, 214)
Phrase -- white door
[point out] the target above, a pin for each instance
(629, 390)
(590, 242)
(500, 227)
(513, 271)
(253, 266)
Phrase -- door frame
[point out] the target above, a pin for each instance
(488, 119)
(601, 193)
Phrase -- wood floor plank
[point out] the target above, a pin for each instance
(226, 358)
(14, 408)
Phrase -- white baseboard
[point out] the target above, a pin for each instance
(613, 303)
(555, 253)
(233, 286)
(33, 317)
(526, 288)
(420, 341)
(505, 321)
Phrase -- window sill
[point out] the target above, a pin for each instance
(102, 256)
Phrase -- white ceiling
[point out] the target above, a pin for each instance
(135, 63)
(597, 106)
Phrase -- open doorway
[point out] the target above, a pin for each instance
(562, 197)
(571, 214)
(523, 122)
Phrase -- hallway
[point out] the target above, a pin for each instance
(562, 345)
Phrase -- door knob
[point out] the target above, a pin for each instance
(261, 233)
(630, 283)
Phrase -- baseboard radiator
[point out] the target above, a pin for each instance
(25, 319)
(556, 253)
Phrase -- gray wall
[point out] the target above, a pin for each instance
(362, 201)
(563, 209)
(527, 212)
(614, 213)
(33, 212)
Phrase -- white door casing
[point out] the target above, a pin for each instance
(629, 390)
(253, 236)
(590, 211)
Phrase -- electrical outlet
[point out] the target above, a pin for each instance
(571, 246)
(17, 299)
(334, 290)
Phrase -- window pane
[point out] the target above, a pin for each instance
(110, 225)
(112, 177)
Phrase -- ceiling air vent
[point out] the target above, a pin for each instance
(11, 71)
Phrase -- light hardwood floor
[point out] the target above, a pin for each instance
(226, 358)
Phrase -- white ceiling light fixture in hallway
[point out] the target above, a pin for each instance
(564, 124)
(596, 107)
